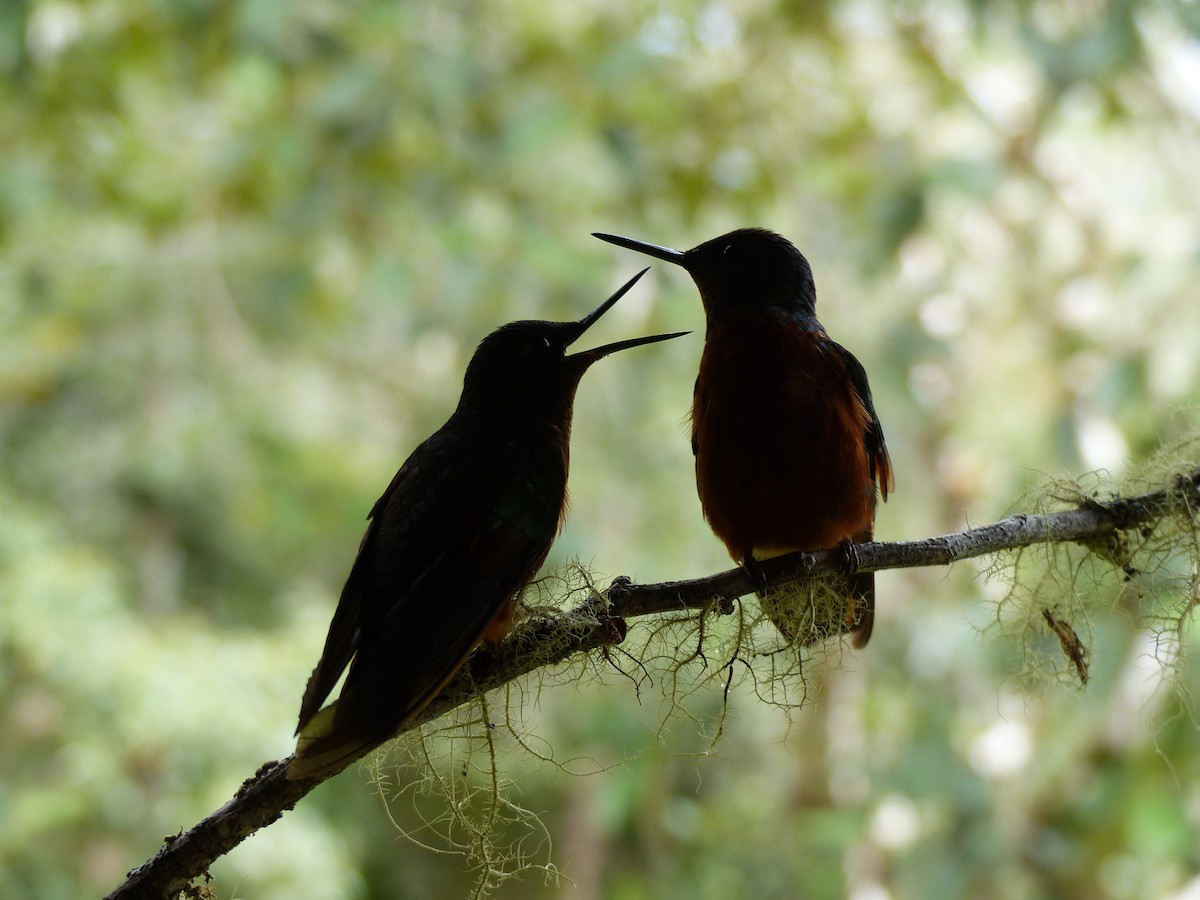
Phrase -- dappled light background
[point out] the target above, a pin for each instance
(246, 250)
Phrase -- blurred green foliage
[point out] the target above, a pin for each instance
(246, 249)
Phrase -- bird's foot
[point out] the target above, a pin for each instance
(754, 570)
(850, 559)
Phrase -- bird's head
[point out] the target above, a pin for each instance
(750, 268)
(524, 366)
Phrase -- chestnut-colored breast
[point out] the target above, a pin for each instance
(779, 433)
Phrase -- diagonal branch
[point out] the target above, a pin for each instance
(600, 622)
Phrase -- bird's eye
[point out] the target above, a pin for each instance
(546, 342)
(727, 249)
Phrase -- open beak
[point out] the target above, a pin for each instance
(590, 356)
(664, 253)
(576, 329)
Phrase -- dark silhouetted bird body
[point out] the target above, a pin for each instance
(790, 453)
(464, 525)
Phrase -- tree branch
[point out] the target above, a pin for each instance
(600, 622)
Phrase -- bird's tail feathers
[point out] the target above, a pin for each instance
(319, 753)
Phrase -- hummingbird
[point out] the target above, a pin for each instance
(789, 450)
(462, 528)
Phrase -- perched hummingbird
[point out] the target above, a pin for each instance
(464, 525)
(789, 450)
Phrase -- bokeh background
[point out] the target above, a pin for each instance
(246, 249)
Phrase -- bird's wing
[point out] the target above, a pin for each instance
(346, 626)
(420, 642)
(451, 541)
(877, 452)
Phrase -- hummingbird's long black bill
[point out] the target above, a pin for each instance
(590, 356)
(575, 329)
(578, 328)
(663, 253)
